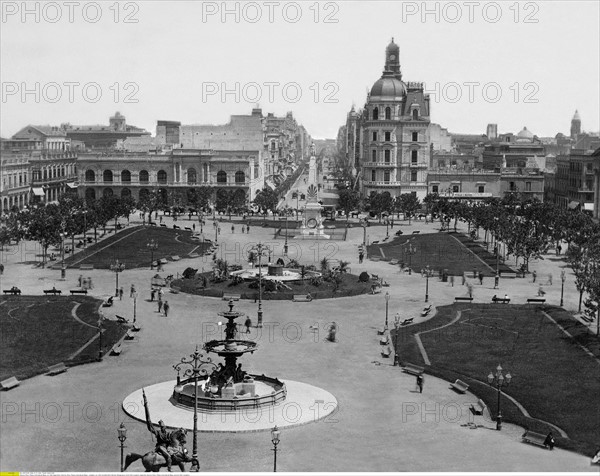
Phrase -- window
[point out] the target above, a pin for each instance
(415, 114)
(107, 192)
(388, 136)
(221, 176)
(374, 156)
(455, 189)
(240, 177)
(374, 136)
(386, 154)
(386, 175)
(415, 136)
(512, 186)
(413, 175)
(125, 176)
(375, 114)
(414, 156)
(528, 186)
(435, 188)
(144, 176)
(107, 176)
(125, 193)
(441, 163)
(388, 113)
(192, 176)
(481, 189)
(90, 176)
(161, 176)
(373, 176)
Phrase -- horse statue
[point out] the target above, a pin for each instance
(153, 460)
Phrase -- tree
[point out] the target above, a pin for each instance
(409, 204)
(44, 225)
(348, 200)
(380, 203)
(266, 199)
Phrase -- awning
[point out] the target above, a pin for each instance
(588, 206)
(39, 191)
(573, 204)
(71, 185)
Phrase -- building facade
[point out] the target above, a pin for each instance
(576, 180)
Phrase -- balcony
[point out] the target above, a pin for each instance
(414, 165)
(386, 165)
(380, 183)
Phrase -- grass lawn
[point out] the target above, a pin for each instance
(350, 286)
(553, 378)
(129, 247)
(438, 250)
(39, 331)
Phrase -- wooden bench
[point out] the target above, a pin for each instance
(129, 336)
(534, 438)
(163, 225)
(175, 227)
(413, 369)
(194, 255)
(498, 300)
(394, 261)
(536, 300)
(382, 331)
(53, 291)
(426, 310)
(135, 328)
(116, 350)
(231, 297)
(510, 275)
(463, 298)
(416, 232)
(78, 291)
(121, 319)
(86, 267)
(302, 298)
(385, 339)
(407, 321)
(57, 369)
(479, 407)
(153, 223)
(163, 261)
(9, 383)
(386, 352)
(586, 318)
(14, 290)
(459, 386)
(175, 258)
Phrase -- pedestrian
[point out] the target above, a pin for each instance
(247, 228)
(160, 304)
(219, 230)
(452, 280)
(558, 250)
(463, 279)
(550, 279)
(506, 299)
(232, 229)
(474, 273)
(496, 281)
(242, 228)
(166, 308)
(420, 383)
(549, 441)
(90, 282)
(131, 290)
(361, 256)
(152, 294)
(248, 324)
(160, 219)
(160, 293)
(541, 291)
(80, 280)
(534, 275)
(470, 289)
(190, 216)
(121, 293)
(194, 226)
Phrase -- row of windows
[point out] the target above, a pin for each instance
(387, 136)
(161, 176)
(12, 180)
(386, 175)
(387, 114)
(53, 172)
(414, 156)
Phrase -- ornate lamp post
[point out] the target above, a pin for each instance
(195, 367)
(427, 284)
(387, 301)
(387, 227)
(63, 269)
(122, 431)
(134, 306)
(100, 330)
(396, 328)
(275, 440)
(500, 380)
(364, 225)
(410, 249)
(117, 267)
(152, 245)
(216, 225)
(259, 249)
(563, 277)
(285, 245)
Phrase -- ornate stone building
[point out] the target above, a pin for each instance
(395, 147)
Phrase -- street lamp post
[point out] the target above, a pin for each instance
(195, 367)
(134, 306)
(100, 339)
(122, 431)
(387, 227)
(63, 269)
(397, 329)
(285, 245)
(387, 301)
(216, 225)
(427, 284)
(260, 248)
(500, 380)
(563, 277)
(117, 267)
(152, 245)
(275, 440)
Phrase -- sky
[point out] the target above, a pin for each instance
(511, 63)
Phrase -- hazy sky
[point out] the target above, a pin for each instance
(176, 59)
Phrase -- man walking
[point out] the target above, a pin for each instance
(420, 383)
(166, 308)
(480, 277)
(248, 324)
(121, 293)
(131, 290)
(160, 304)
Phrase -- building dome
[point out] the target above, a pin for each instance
(388, 86)
(576, 116)
(525, 134)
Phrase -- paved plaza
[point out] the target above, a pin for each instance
(381, 423)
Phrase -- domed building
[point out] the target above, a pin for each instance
(524, 136)
(394, 139)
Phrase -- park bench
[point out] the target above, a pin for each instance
(393, 261)
(536, 300)
(121, 319)
(231, 297)
(386, 352)
(508, 274)
(463, 298)
(135, 328)
(534, 438)
(587, 318)
(416, 232)
(413, 369)
(426, 310)
(498, 300)
(57, 369)
(188, 228)
(53, 291)
(459, 386)
(153, 223)
(375, 258)
(382, 331)
(163, 225)
(86, 267)
(14, 290)
(78, 291)
(9, 383)
(375, 242)
(375, 289)
(385, 339)
(407, 321)
(117, 349)
(163, 261)
(108, 302)
(129, 336)
(374, 277)
(302, 298)
(194, 255)
(175, 227)
(479, 407)
(175, 258)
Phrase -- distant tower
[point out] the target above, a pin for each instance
(492, 131)
(117, 122)
(392, 60)
(575, 125)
